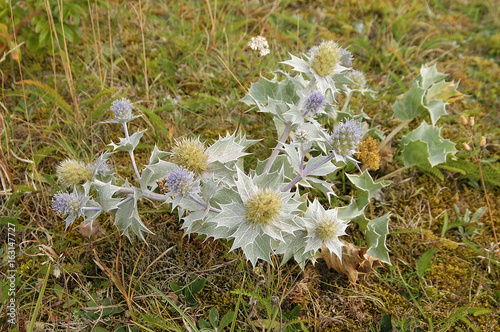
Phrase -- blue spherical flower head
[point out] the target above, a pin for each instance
(314, 104)
(69, 205)
(179, 182)
(122, 108)
(64, 203)
(345, 139)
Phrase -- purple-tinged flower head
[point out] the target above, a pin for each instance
(122, 108)
(358, 79)
(64, 203)
(179, 182)
(345, 139)
(346, 57)
(72, 172)
(315, 103)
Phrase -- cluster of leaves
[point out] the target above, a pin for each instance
(429, 92)
(272, 209)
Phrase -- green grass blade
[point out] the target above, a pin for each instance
(186, 318)
(39, 301)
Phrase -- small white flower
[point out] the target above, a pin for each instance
(260, 44)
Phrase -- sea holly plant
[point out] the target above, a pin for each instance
(283, 206)
(429, 93)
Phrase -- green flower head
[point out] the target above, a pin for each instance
(190, 154)
(358, 79)
(72, 172)
(325, 58)
(322, 62)
(263, 207)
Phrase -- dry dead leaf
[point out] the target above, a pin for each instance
(386, 156)
(356, 263)
(91, 229)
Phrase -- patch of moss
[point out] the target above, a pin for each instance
(451, 274)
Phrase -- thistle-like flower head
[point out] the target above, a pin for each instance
(64, 203)
(122, 108)
(70, 205)
(325, 58)
(263, 207)
(179, 182)
(314, 104)
(323, 226)
(302, 136)
(345, 139)
(72, 172)
(258, 214)
(190, 154)
(358, 79)
(322, 62)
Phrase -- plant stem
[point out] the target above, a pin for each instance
(476, 156)
(288, 127)
(347, 100)
(276, 151)
(205, 206)
(393, 133)
(302, 158)
(488, 204)
(390, 175)
(125, 201)
(91, 208)
(306, 172)
(131, 153)
(153, 196)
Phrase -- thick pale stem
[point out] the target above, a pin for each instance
(151, 195)
(131, 153)
(306, 172)
(307, 91)
(347, 100)
(302, 157)
(91, 208)
(392, 134)
(205, 206)
(128, 199)
(288, 127)
(276, 151)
